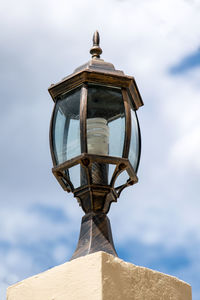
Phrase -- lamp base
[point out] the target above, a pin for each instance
(95, 235)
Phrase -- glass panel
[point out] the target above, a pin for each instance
(74, 175)
(105, 121)
(110, 172)
(66, 127)
(134, 143)
(121, 179)
(117, 131)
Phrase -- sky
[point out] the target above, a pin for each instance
(156, 222)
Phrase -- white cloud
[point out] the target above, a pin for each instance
(185, 153)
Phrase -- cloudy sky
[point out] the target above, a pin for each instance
(155, 223)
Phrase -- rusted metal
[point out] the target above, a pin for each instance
(139, 145)
(51, 138)
(83, 117)
(98, 191)
(127, 124)
(96, 49)
(95, 235)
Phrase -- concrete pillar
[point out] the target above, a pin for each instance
(100, 276)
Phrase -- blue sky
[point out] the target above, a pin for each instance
(156, 222)
(187, 63)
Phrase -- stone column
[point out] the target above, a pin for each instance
(100, 276)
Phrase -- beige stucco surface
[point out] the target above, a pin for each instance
(100, 276)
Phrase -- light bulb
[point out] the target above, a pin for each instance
(97, 136)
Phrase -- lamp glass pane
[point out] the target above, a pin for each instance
(121, 179)
(135, 141)
(111, 172)
(105, 121)
(66, 127)
(74, 174)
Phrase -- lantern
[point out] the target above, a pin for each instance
(95, 143)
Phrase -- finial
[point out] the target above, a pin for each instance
(96, 50)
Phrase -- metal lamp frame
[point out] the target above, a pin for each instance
(96, 72)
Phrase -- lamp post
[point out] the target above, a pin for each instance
(95, 143)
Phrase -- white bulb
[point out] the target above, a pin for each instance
(97, 136)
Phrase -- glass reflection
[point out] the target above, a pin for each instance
(66, 127)
(135, 141)
(74, 174)
(121, 179)
(105, 121)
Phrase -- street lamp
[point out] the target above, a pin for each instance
(95, 143)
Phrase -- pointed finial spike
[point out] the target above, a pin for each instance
(96, 38)
(96, 50)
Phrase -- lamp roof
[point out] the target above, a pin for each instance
(97, 71)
